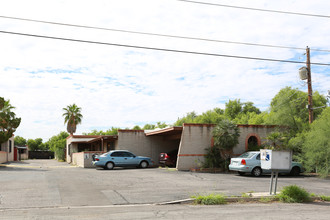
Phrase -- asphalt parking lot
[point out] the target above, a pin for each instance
(48, 184)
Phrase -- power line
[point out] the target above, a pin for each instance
(161, 49)
(257, 9)
(160, 35)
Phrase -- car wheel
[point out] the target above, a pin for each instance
(109, 166)
(257, 171)
(295, 171)
(144, 164)
(241, 173)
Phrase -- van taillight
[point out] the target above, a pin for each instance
(97, 159)
(243, 162)
(166, 156)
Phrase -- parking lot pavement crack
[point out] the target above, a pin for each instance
(121, 196)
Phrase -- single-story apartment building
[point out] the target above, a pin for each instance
(190, 140)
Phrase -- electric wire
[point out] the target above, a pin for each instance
(161, 35)
(256, 9)
(161, 49)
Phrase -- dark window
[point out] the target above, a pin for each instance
(258, 157)
(116, 154)
(9, 146)
(127, 154)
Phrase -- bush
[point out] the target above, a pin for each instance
(325, 198)
(294, 194)
(211, 199)
(213, 158)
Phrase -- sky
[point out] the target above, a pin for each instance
(118, 86)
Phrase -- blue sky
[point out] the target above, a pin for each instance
(122, 87)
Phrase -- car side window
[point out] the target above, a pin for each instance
(116, 154)
(258, 157)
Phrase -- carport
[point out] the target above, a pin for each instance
(170, 139)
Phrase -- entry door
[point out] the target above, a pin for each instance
(15, 153)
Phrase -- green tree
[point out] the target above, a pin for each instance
(111, 131)
(72, 116)
(317, 145)
(36, 144)
(210, 117)
(148, 127)
(57, 144)
(20, 141)
(161, 125)
(8, 121)
(136, 127)
(225, 135)
(288, 107)
(233, 108)
(189, 118)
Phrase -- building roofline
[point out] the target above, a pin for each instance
(164, 130)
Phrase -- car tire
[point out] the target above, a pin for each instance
(241, 173)
(257, 171)
(295, 171)
(144, 164)
(109, 166)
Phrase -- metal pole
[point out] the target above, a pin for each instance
(309, 82)
(271, 183)
(276, 182)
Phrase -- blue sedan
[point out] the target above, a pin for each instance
(249, 162)
(121, 158)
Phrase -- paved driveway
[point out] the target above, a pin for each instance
(48, 183)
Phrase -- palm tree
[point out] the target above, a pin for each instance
(72, 116)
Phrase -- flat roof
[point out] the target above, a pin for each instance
(165, 131)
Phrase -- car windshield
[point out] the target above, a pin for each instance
(247, 155)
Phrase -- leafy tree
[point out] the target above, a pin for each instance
(20, 141)
(226, 135)
(210, 117)
(213, 158)
(288, 107)
(36, 144)
(148, 127)
(161, 125)
(189, 118)
(136, 127)
(57, 144)
(8, 121)
(317, 145)
(72, 116)
(249, 107)
(111, 131)
(233, 108)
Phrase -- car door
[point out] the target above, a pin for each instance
(130, 159)
(117, 158)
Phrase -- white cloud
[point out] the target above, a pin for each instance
(121, 87)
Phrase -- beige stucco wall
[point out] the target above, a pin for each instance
(5, 148)
(74, 148)
(78, 159)
(194, 140)
(3, 157)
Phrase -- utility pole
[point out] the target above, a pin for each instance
(309, 83)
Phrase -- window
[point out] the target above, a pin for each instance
(116, 154)
(9, 146)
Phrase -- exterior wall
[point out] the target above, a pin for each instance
(74, 148)
(246, 131)
(195, 138)
(9, 152)
(84, 159)
(3, 157)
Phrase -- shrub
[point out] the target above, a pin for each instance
(211, 199)
(325, 198)
(294, 194)
(213, 158)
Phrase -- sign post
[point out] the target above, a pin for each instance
(275, 161)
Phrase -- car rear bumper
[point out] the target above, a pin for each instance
(241, 168)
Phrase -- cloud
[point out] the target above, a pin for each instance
(123, 86)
